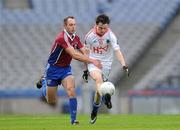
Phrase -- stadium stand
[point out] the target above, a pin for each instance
(30, 33)
(167, 68)
(121, 11)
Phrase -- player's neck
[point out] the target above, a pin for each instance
(71, 36)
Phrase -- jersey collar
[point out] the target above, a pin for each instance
(69, 36)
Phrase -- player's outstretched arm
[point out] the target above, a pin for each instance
(121, 59)
(78, 56)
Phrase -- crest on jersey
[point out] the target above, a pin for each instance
(75, 45)
(107, 41)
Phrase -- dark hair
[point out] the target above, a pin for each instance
(102, 18)
(66, 19)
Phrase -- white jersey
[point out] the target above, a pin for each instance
(102, 48)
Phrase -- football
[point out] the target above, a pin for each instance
(107, 88)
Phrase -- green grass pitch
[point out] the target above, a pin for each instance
(104, 122)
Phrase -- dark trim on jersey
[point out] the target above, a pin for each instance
(55, 55)
(59, 55)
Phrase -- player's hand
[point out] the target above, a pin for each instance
(126, 70)
(97, 63)
(85, 76)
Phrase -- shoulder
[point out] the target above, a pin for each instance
(60, 40)
(111, 33)
(89, 34)
(60, 36)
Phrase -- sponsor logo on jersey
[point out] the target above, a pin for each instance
(100, 49)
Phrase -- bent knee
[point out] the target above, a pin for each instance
(51, 99)
(71, 93)
(52, 102)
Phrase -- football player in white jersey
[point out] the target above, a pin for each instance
(101, 43)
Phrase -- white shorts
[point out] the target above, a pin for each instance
(105, 70)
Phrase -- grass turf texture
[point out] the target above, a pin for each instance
(104, 122)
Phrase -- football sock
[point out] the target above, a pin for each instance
(103, 99)
(97, 98)
(97, 102)
(73, 108)
(44, 87)
(96, 107)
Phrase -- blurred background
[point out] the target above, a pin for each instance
(148, 32)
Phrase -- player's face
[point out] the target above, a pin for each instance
(101, 29)
(70, 26)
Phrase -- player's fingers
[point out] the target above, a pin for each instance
(128, 74)
(86, 78)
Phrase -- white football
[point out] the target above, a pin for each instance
(107, 88)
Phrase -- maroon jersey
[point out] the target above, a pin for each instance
(58, 55)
